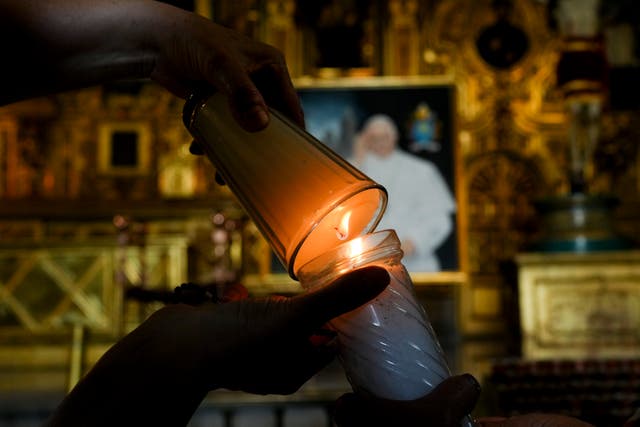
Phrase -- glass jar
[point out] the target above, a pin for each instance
(387, 347)
(304, 198)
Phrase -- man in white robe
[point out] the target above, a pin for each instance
(421, 207)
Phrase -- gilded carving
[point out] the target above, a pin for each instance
(402, 38)
(40, 288)
(580, 305)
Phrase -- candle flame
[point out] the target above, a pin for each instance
(342, 230)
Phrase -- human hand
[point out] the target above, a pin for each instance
(532, 420)
(192, 52)
(114, 40)
(159, 373)
(445, 406)
(254, 345)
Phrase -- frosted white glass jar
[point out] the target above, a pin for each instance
(387, 347)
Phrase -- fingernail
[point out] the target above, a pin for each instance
(253, 116)
(258, 117)
(250, 109)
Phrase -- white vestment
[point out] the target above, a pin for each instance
(420, 207)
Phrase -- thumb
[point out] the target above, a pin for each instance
(346, 293)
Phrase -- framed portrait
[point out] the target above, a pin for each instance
(401, 132)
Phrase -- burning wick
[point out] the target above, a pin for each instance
(342, 230)
(340, 234)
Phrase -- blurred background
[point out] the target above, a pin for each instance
(103, 210)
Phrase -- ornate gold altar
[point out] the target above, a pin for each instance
(81, 225)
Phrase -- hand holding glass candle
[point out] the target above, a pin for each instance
(318, 212)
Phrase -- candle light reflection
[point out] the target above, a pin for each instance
(355, 247)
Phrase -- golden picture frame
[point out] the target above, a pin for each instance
(335, 110)
(124, 148)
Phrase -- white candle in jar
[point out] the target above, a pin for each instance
(387, 347)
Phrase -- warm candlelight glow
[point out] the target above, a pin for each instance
(355, 247)
(350, 218)
(312, 201)
(342, 230)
